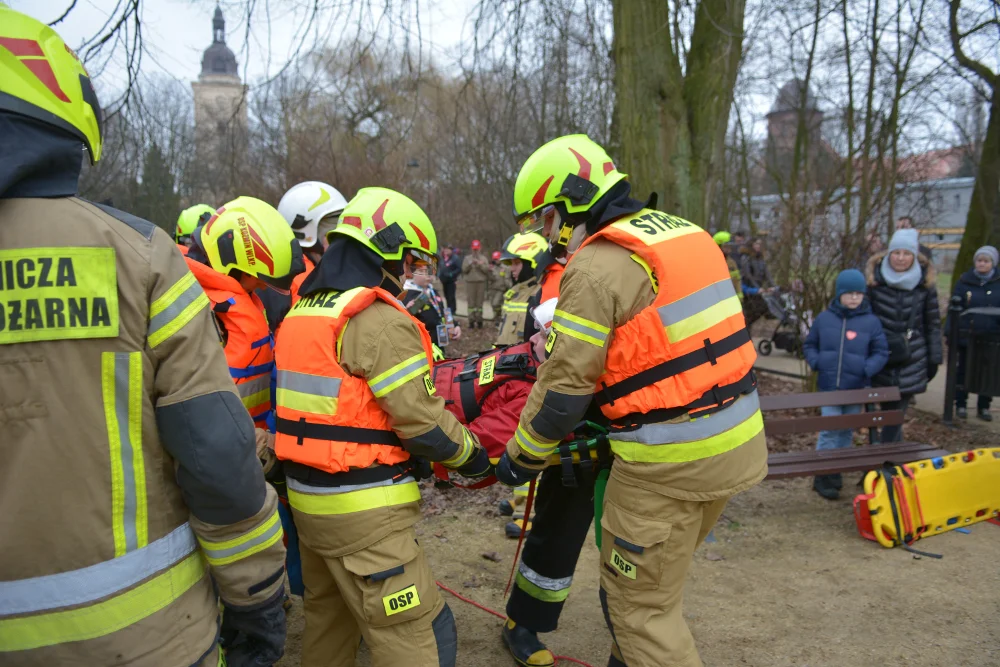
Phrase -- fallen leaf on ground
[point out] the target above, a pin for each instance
(492, 555)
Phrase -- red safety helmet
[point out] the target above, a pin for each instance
(496, 255)
(476, 245)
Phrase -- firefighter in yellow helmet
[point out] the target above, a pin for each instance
(357, 419)
(722, 239)
(188, 221)
(520, 252)
(246, 246)
(131, 497)
(649, 328)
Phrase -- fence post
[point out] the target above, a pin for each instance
(954, 313)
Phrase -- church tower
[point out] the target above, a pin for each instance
(219, 96)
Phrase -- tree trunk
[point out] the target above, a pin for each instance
(982, 227)
(670, 123)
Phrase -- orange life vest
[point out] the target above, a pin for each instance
(690, 350)
(301, 278)
(248, 344)
(327, 418)
(550, 281)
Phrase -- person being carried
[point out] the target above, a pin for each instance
(847, 347)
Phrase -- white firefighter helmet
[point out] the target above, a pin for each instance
(544, 313)
(305, 204)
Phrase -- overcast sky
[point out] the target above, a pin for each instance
(176, 32)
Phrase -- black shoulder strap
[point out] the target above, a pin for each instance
(144, 227)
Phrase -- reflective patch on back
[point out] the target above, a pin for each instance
(57, 293)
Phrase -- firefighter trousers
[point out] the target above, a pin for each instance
(475, 295)
(562, 520)
(383, 593)
(648, 541)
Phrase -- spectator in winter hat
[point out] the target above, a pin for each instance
(847, 347)
(902, 290)
(978, 288)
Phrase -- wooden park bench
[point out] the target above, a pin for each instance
(849, 459)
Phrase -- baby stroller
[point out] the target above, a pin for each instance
(792, 328)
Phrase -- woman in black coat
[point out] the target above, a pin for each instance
(902, 291)
(978, 288)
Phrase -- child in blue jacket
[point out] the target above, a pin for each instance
(846, 346)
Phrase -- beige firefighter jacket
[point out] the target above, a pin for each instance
(474, 270)
(604, 285)
(515, 311)
(499, 278)
(130, 489)
(381, 338)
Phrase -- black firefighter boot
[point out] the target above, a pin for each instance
(828, 486)
(525, 647)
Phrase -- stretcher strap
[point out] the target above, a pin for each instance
(710, 353)
(467, 390)
(922, 528)
(893, 485)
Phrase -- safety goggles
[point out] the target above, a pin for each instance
(418, 260)
(536, 220)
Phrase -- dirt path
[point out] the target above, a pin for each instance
(787, 583)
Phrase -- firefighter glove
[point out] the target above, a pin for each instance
(478, 466)
(259, 633)
(510, 473)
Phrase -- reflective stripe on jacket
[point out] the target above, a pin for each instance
(118, 412)
(514, 312)
(689, 350)
(248, 345)
(329, 419)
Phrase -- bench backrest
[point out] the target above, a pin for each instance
(876, 418)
